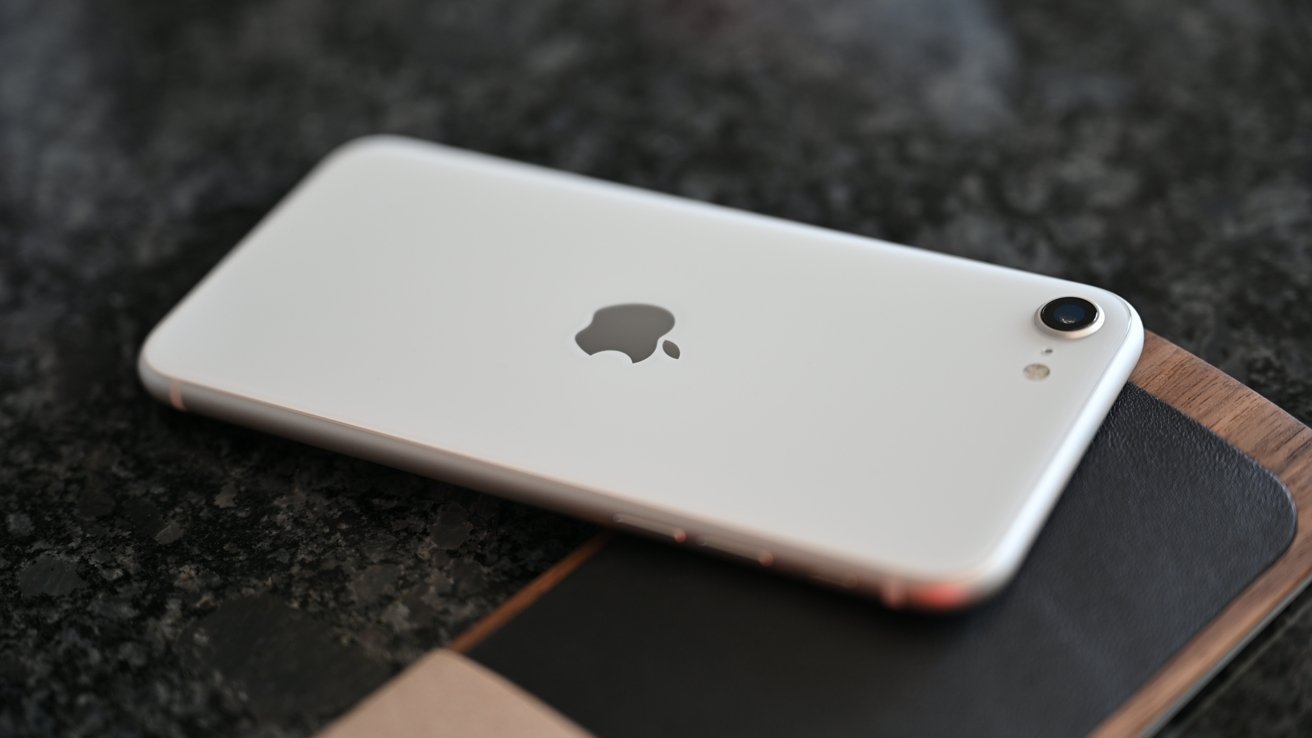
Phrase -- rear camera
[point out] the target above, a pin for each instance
(1072, 317)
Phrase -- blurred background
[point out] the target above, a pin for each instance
(163, 574)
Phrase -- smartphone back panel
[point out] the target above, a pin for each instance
(824, 403)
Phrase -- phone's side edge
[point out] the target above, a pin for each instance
(992, 574)
(517, 485)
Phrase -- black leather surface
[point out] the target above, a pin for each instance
(1160, 527)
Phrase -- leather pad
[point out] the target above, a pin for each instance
(1160, 527)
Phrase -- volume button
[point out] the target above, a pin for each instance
(650, 527)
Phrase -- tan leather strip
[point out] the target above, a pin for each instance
(446, 695)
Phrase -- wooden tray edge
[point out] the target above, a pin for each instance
(1278, 442)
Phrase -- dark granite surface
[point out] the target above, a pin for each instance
(167, 575)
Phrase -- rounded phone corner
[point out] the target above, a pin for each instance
(1131, 346)
(370, 145)
(160, 386)
(959, 582)
(961, 590)
(1133, 323)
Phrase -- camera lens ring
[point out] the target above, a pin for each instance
(1069, 317)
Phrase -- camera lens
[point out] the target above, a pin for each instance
(1073, 317)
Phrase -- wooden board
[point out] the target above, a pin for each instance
(1269, 435)
(1277, 441)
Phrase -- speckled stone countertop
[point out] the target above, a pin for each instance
(163, 574)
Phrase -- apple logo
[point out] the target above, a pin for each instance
(633, 330)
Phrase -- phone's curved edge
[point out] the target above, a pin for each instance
(977, 582)
(897, 589)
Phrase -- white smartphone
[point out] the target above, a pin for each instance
(872, 416)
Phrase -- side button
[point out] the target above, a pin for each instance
(737, 550)
(650, 527)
